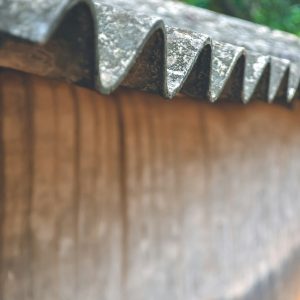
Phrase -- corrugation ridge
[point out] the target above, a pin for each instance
(192, 45)
(280, 70)
(225, 58)
(128, 46)
(122, 46)
(257, 77)
(294, 81)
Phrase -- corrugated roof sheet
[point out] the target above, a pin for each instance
(158, 46)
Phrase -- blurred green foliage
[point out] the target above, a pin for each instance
(278, 14)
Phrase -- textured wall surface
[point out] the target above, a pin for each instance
(132, 197)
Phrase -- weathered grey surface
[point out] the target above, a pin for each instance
(245, 60)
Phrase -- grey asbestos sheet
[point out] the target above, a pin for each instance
(158, 46)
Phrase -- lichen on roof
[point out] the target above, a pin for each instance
(157, 46)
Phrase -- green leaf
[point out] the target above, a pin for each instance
(279, 14)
